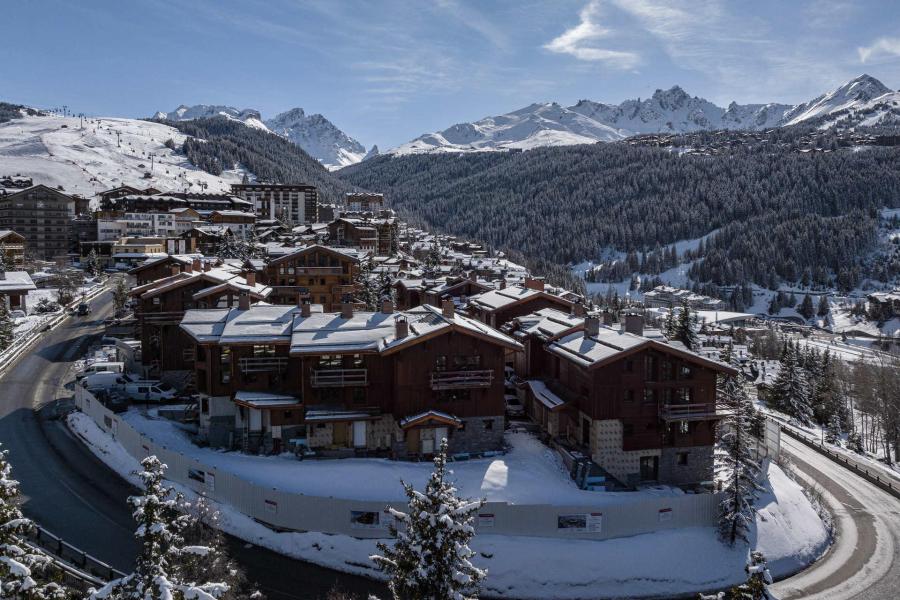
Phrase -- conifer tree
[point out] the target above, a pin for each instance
(737, 465)
(25, 573)
(684, 329)
(92, 264)
(806, 308)
(823, 306)
(789, 390)
(431, 264)
(7, 326)
(120, 294)
(430, 558)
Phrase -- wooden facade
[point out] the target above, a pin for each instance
(319, 273)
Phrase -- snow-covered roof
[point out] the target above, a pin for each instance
(543, 394)
(264, 400)
(546, 323)
(223, 274)
(430, 415)
(16, 281)
(497, 299)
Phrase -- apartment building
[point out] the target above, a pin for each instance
(297, 203)
(42, 216)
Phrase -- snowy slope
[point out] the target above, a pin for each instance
(318, 137)
(667, 111)
(56, 151)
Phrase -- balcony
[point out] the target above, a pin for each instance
(453, 380)
(318, 270)
(174, 316)
(262, 364)
(340, 377)
(690, 412)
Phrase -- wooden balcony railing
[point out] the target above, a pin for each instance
(690, 412)
(340, 377)
(450, 380)
(161, 317)
(262, 364)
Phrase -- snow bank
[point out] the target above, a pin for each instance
(788, 531)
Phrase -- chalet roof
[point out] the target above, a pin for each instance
(264, 400)
(16, 281)
(546, 323)
(497, 299)
(543, 394)
(4, 233)
(345, 253)
(612, 344)
(223, 274)
(430, 416)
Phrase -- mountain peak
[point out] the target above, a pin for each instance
(318, 136)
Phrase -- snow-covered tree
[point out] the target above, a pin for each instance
(823, 306)
(367, 282)
(66, 290)
(91, 264)
(430, 558)
(432, 261)
(790, 392)
(806, 308)
(736, 466)
(7, 334)
(25, 573)
(120, 294)
(159, 513)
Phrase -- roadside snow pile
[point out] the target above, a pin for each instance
(789, 533)
(530, 473)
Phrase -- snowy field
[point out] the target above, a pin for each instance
(787, 530)
(530, 473)
(56, 151)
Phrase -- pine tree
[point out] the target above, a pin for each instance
(823, 306)
(736, 464)
(431, 556)
(159, 513)
(25, 573)
(7, 327)
(684, 329)
(120, 294)
(92, 264)
(806, 308)
(368, 284)
(431, 264)
(789, 390)
(758, 580)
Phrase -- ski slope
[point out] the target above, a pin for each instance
(102, 153)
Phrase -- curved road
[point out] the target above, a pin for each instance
(864, 561)
(72, 494)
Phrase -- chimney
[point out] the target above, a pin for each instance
(207, 266)
(250, 276)
(402, 327)
(634, 324)
(503, 283)
(387, 306)
(188, 268)
(607, 318)
(244, 301)
(591, 326)
(305, 307)
(197, 264)
(578, 309)
(346, 309)
(473, 275)
(447, 308)
(534, 283)
(175, 269)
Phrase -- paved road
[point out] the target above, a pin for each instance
(75, 496)
(864, 562)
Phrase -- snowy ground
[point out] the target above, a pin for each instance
(843, 321)
(530, 473)
(788, 531)
(55, 151)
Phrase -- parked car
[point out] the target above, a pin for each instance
(104, 381)
(149, 391)
(15, 315)
(101, 367)
(83, 309)
(514, 408)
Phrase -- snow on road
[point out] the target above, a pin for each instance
(665, 563)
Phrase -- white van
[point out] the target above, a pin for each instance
(149, 391)
(101, 367)
(104, 381)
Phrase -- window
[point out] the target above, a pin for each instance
(627, 430)
(488, 424)
(263, 350)
(629, 396)
(440, 363)
(686, 395)
(629, 366)
(225, 364)
(649, 395)
(681, 459)
(454, 395)
(359, 396)
(650, 368)
(464, 363)
(684, 427)
(686, 372)
(667, 370)
(357, 361)
(329, 361)
(287, 414)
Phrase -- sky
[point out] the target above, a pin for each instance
(386, 71)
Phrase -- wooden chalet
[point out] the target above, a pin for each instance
(498, 307)
(322, 274)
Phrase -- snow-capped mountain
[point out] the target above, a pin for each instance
(666, 111)
(104, 153)
(853, 94)
(314, 133)
(248, 116)
(318, 137)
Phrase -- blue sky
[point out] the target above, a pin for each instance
(387, 71)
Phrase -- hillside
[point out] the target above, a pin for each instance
(102, 154)
(219, 143)
(782, 212)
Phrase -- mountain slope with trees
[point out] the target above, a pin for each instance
(781, 211)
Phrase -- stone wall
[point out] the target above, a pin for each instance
(699, 466)
(478, 436)
(606, 448)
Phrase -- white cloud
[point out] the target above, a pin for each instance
(579, 41)
(880, 48)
